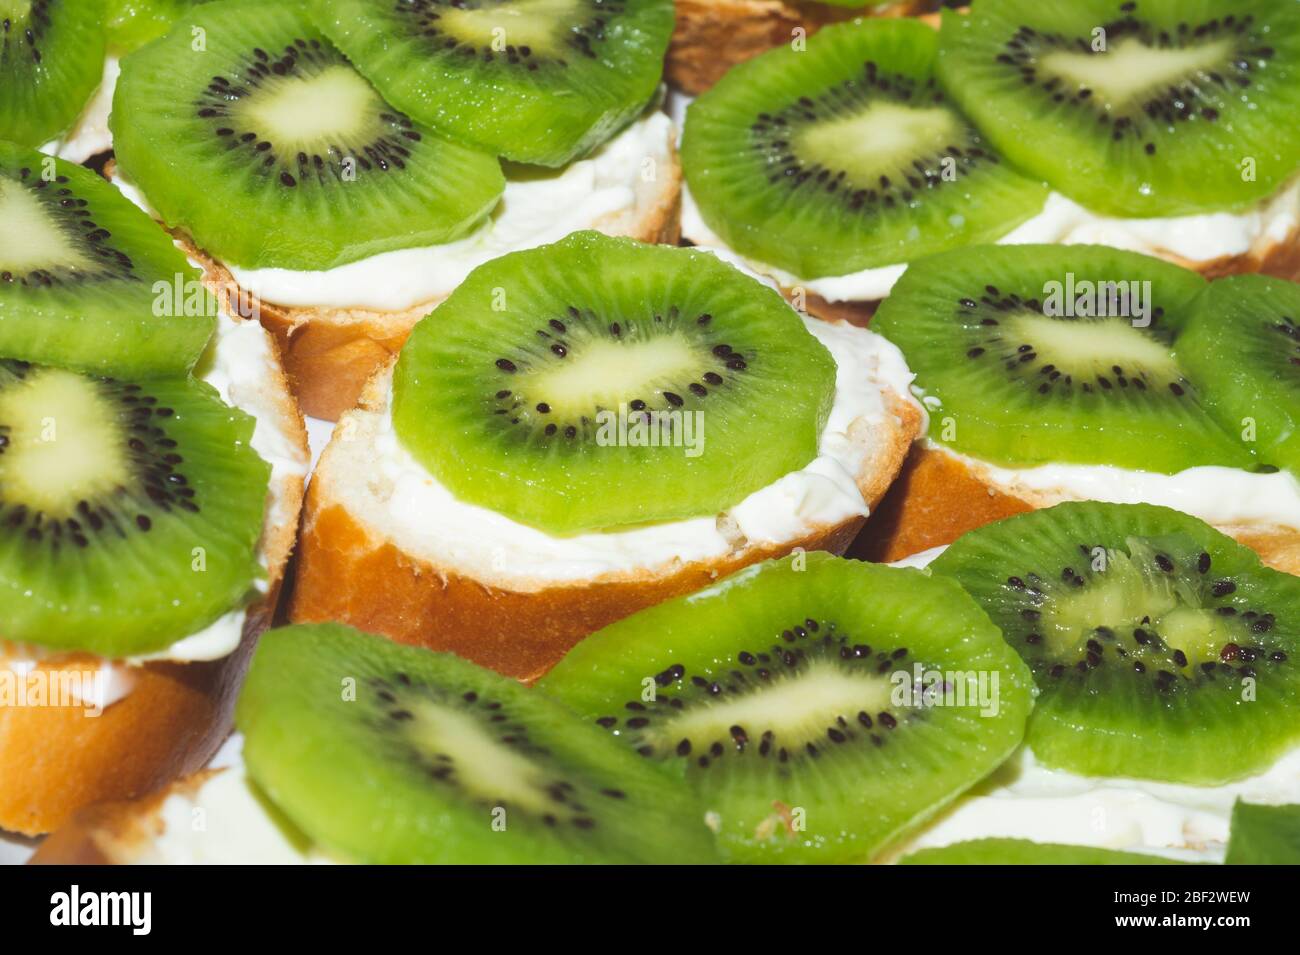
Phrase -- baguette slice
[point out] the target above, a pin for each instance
(55, 760)
(350, 570)
(712, 36)
(938, 497)
(330, 353)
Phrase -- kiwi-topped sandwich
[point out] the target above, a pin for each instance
(1165, 658)
(346, 210)
(585, 429)
(427, 759)
(748, 722)
(1162, 128)
(1056, 373)
(822, 710)
(711, 36)
(844, 157)
(145, 515)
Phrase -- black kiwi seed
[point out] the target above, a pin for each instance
(73, 216)
(1175, 103)
(152, 465)
(515, 408)
(773, 136)
(582, 39)
(794, 650)
(383, 150)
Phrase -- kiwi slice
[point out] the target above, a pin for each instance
(130, 24)
(389, 754)
(51, 61)
(130, 511)
(1148, 108)
(536, 81)
(792, 696)
(847, 155)
(556, 382)
(272, 151)
(1056, 354)
(1264, 835)
(1025, 852)
(1158, 643)
(87, 280)
(1243, 337)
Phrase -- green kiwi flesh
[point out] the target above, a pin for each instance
(1162, 649)
(556, 385)
(784, 694)
(1057, 354)
(130, 511)
(1264, 835)
(388, 754)
(87, 280)
(535, 81)
(51, 61)
(1025, 852)
(846, 156)
(130, 24)
(1244, 337)
(270, 150)
(1151, 108)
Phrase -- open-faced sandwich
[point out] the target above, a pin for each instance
(1164, 655)
(340, 166)
(1155, 127)
(585, 429)
(151, 472)
(698, 735)
(569, 587)
(1056, 373)
(1080, 685)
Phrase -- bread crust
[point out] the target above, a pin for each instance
(114, 833)
(349, 571)
(330, 353)
(55, 760)
(938, 497)
(712, 36)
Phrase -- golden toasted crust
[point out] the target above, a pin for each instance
(330, 353)
(55, 760)
(114, 833)
(349, 571)
(712, 36)
(937, 498)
